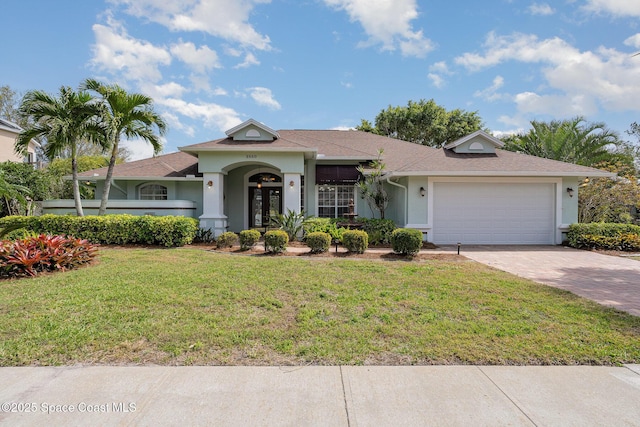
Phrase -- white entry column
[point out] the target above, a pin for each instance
(291, 190)
(213, 216)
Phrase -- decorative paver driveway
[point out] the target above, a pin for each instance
(608, 280)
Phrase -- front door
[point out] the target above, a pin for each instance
(264, 204)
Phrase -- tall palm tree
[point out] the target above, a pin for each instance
(63, 122)
(574, 141)
(125, 114)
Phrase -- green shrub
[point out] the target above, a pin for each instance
(204, 235)
(406, 241)
(318, 242)
(324, 225)
(291, 223)
(356, 241)
(598, 235)
(227, 240)
(114, 229)
(275, 241)
(248, 239)
(33, 255)
(379, 230)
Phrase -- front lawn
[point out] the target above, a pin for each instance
(190, 306)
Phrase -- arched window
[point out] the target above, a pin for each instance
(153, 192)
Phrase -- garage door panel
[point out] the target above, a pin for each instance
(493, 213)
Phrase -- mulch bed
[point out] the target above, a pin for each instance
(258, 250)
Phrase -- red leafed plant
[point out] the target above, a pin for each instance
(32, 255)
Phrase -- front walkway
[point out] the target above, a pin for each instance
(608, 280)
(321, 396)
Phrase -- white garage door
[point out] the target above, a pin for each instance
(493, 213)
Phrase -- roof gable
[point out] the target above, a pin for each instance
(478, 142)
(252, 130)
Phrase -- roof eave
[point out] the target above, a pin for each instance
(602, 174)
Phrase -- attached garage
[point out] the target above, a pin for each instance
(494, 213)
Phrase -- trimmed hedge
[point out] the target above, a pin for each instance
(248, 239)
(356, 241)
(610, 236)
(226, 240)
(378, 230)
(406, 241)
(275, 241)
(318, 242)
(122, 229)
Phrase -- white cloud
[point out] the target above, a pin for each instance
(614, 7)
(220, 18)
(200, 60)
(440, 67)
(138, 148)
(633, 41)
(168, 90)
(541, 9)
(387, 22)
(116, 52)
(491, 93)
(438, 71)
(249, 60)
(577, 82)
(437, 80)
(214, 116)
(502, 133)
(263, 96)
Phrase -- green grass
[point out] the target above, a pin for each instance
(189, 306)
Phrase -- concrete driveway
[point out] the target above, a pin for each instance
(608, 280)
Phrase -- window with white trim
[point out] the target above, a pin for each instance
(333, 200)
(153, 192)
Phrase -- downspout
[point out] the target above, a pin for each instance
(406, 199)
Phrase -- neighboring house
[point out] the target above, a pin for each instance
(470, 191)
(9, 131)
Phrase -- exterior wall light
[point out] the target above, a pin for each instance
(291, 183)
(570, 191)
(422, 191)
(210, 184)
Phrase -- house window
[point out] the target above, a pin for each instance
(333, 200)
(153, 192)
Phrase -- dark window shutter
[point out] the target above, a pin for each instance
(337, 174)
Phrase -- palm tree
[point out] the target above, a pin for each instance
(63, 122)
(124, 114)
(574, 141)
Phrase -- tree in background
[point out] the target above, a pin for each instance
(59, 168)
(14, 197)
(573, 141)
(610, 200)
(423, 122)
(371, 185)
(124, 114)
(634, 148)
(9, 105)
(37, 182)
(63, 122)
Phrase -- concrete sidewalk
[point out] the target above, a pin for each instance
(322, 396)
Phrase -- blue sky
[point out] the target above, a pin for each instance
(325, 64)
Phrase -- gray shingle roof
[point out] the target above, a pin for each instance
(401, 158)
(174, 165)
